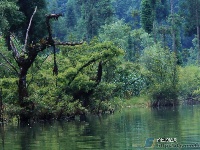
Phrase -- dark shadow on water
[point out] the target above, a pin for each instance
(168, 112)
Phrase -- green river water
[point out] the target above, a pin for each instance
(131, 128)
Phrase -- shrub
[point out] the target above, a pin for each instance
(160, 70)
(189, 82)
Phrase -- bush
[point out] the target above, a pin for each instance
(160, 70)
(189, 82)
(129, 80)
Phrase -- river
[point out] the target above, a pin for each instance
(131, 128)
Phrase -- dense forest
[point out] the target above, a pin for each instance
(61, 58)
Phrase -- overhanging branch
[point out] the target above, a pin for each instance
(81, 68)
(14, 49)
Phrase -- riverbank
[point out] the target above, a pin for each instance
(140, 101)
(144, 101)
(104, 107)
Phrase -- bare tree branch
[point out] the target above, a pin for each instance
(9, 63)
(48, 17)
(24, 50)
(14, 49)
(16, 41)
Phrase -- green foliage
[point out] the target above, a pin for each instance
(192, 53)
(10, 15)
(48, 96)
(189, 82)
(8, 80)
(8, 85)
(161, 73)
(162, 10)
(75, 85)
(38, 26)
(81, 72)
(189, 11)
(131, 59)
(119, 33)
(129, 80)
(126, 9)
(93, 15)
(137, 41)
(146, 16)
(115, 32)
(102, 98)
(132, 41)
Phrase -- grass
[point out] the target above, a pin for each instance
(139, 101)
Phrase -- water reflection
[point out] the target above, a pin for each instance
(2, 133)
(124, 130)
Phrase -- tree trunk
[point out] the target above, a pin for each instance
(24, 63)
(23, 93)
(26, 105)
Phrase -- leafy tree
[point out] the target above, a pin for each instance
(139, 40)
(175, 23)
(160, 70)
(120, 33)
(25, 57)
(129, 80)
(147, 16)
(162, 10)
(191, 23)
(189, 82)
(10, 18)
(126, 9)
(93, 15)
(115, 32)
(87, 68)
(10, 15)
(153, 14)
(133, 42)
(5, 69)
(70, 16)
(81, 84)
(38, 28)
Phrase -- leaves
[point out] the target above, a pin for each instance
(160, 69)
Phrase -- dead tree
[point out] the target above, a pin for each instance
(25, 58)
